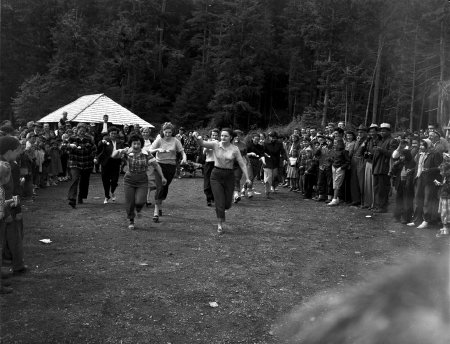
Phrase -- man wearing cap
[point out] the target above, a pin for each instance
(358, 166)
(381, 165)
(81, 161)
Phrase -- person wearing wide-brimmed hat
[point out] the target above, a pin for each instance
(381, 165)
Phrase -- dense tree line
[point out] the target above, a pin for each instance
(241, 62)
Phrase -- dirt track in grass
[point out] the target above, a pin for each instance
(98, 282)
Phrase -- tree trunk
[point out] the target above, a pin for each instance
(204, 37)
(371, 87)
(422, 106)
(346, 103)
(326, 96)
(440, 108)
(413, 88)
(161, 36)
(1, 98)
(396, 115)
(377, 81)
(291, 95)
(352, 103)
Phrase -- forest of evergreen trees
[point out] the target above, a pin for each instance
(248, 63)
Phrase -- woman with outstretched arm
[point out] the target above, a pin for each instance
(222, 175)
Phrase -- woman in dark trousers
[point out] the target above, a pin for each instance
(208, 167)
(135, 181)
(222, 175)
(166, 148)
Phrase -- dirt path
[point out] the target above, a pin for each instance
(99, 283)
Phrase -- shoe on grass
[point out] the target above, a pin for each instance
(334, 202)
(105, 201)
(113, 197)
(423, 225)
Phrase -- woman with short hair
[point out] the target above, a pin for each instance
(135, 181)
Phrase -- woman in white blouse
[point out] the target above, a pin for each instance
(222, 175)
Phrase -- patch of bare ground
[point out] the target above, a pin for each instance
(98, 282)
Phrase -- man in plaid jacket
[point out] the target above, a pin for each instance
(81, 161)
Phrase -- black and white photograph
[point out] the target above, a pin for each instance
(225, 171)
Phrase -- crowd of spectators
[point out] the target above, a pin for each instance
(44, 160)
(334, 165)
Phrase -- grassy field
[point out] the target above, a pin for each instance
(98, 282)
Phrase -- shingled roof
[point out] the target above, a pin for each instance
(92, 108)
